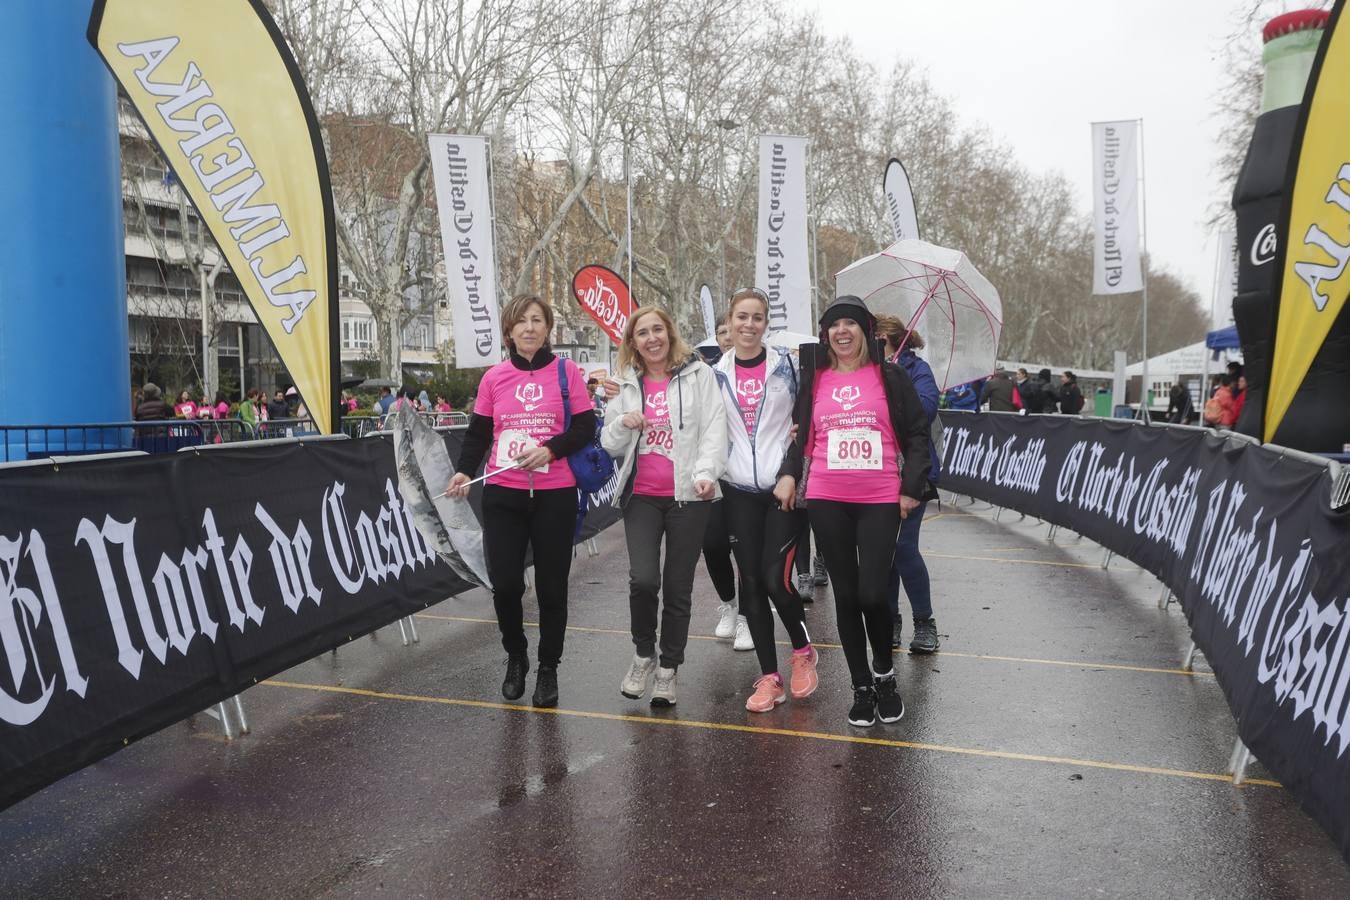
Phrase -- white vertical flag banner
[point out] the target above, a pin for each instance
(1225, 280)
(900, 201)
(782, 260)
(463, 204)
(705, 301)
(1115, 208)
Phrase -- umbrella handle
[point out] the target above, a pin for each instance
(486, 475)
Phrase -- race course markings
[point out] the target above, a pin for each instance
(777, 732)
(1065, 663)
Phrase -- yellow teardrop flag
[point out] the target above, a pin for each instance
(1316, 242)
(222, 97)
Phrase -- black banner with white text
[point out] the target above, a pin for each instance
(1245, 537)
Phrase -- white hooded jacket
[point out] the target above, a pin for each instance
(753, 458)
(697, 422)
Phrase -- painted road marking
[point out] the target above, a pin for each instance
(1067, 663)
(778, 732)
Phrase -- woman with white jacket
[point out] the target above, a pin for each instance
(668, 432)
(759, 394)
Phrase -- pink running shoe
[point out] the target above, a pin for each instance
(804, 680)
(768, 693)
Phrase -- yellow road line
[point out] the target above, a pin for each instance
(1014, 562)
(779, 732)
(1067, 663)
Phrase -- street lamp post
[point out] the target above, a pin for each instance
(723, 125)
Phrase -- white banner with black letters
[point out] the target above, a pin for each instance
(1115, 208)
(900, 201)
(782, 258)
(463, 204)
(1246, 538)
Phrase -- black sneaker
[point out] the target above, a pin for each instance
(546, 687)
(890, 708)
(897, 635)
(513, 685)
(863, 712)
(925, 636)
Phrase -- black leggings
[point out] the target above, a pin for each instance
(858, 542)
(804, 547)
(513, 520)
(717, 553)
(765, 543)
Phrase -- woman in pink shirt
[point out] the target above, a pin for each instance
(861, 455)
(530, 499)
(667, 429)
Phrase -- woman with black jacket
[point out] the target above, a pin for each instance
(861, 462)
(530, 499)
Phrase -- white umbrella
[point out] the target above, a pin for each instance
(939, 290)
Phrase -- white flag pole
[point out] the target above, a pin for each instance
(1143, 259)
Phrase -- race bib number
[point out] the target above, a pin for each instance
(657, 439)
(854, 448)
(513, 442)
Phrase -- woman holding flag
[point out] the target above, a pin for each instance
(530, 497)
(668, 432)
(759, 392)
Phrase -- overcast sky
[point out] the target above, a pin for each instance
(1037, 74)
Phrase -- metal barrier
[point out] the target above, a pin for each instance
(19, 442)
(284, 428)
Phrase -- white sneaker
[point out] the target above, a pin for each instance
(743, 639)
(663, 690)
(639, 676)
(726, 623)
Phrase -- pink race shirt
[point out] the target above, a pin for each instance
(526, 410)
(656, 444)
(853, 448)
(750, 392)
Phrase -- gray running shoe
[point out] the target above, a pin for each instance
(897, 633)
(639, 677)
(663, 690)
(925, 636)
(819, 577)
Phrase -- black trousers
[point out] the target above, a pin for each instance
(512, 521)
(717, 552)
(858, 542)
(765, 544)
(667, 588)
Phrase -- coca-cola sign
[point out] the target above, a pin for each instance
(603, 294)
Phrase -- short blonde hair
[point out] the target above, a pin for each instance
(629, 357)
(514, 312)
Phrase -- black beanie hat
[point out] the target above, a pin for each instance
(848, 307)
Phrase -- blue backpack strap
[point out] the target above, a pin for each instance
(562, 385)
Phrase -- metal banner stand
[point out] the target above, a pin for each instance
(221, 712)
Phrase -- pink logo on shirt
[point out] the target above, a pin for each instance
(751, 391)
(529, 395)
(847, 396)
(656, 403)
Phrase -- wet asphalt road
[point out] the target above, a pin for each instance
(1052, 748)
